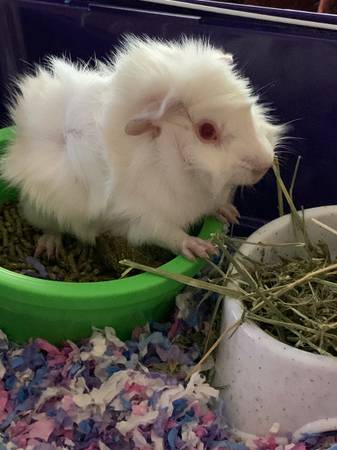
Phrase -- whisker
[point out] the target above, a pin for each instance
(292, 121)
(286, 159)
(264, 88)
(292, 138)
(282, 163)
(284, 151)
(283, 154)
(245, 65)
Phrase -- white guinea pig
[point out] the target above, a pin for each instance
(142, 146)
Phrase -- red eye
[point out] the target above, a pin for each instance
(207, 132)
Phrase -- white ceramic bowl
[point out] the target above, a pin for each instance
(264, 381)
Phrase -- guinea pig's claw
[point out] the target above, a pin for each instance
(228, 213)
(50, 244)
(194, 247)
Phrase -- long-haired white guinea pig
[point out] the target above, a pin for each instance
(142, 146)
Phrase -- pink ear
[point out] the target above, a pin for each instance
(147, 119)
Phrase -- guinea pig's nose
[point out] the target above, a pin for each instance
(257, 166)
(260, 169)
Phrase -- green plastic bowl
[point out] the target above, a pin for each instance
(57, 311)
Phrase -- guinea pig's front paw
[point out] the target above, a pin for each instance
(194, 247)
(49, 243)
(228, 213)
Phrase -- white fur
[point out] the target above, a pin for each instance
(78, 170)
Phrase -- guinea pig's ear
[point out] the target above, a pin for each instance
(148, 118)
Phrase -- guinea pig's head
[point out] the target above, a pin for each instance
(198, 109)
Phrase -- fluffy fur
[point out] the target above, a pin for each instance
(116, 147)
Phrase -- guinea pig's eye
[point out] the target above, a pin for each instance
(207, 132)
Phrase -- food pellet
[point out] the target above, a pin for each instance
(78, 262)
